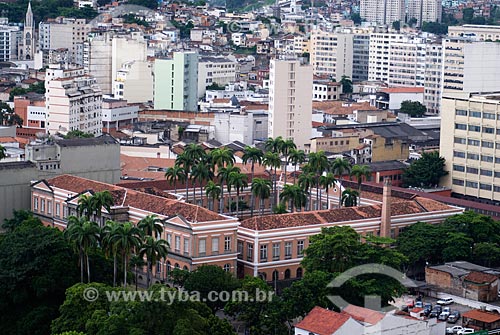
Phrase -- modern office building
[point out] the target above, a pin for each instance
(469, 143)
(290, 101)
(176, 82)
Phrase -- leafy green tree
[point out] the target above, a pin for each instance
(360, 172)
(294, 195)
(213, 191)
(346, 83)
(3, 152)
(239, 182)
(287, 147)
(481, 228)
(307, 181)
(458, 246)
(180, 276)
(151, 225)
(153, 4)
(356, 18)
(486, 254)
(396, 25)
(224, 174)
(209, 278)
(413, 108)
(273, 161)
(296, 157)
(103, 199)
(435, 28)
(106, 234)
(327, 181)
(200, 173)
(18, 217)
(37, 265)
(412, 22)
(280, 208)
(318, 162)
(468, 15)
(350, 197)
(77, 134)
(126, 238)
(426, 171)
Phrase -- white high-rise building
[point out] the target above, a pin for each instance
(73, 101)
(10, 36)
(425, 11)
(290, 101)
(382, 11)
(380, 44)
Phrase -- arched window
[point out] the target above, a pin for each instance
(227, 267)
(177, 266)
(263, 276)
(299, 273)
(276, 275)
(185, 268)
(287, 274)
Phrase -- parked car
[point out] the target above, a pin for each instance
(419, 304)
(454, 316)
(445, 301)
(446, 310)
(410, 303)
(435, 311)
(443, 316)
(454, 329)
(466, 331)
(427, 309)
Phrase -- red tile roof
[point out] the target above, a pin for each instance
(480, 277)
(403, 90)
(322, 321)
(136, 199)
(482, 316)
(363, 314)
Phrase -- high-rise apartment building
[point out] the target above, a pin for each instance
(360, 56)
(290, 101)
(176, 82)
(73, 101)
(382, 11)
(425, 11)
(10, 36)
(215, 70)
(470, 65)
(379, 53)
(469, 143)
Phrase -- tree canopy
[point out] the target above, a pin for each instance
(413, 108)
(426, 171)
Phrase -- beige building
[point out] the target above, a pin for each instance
(480, 32)
(425, 11)
(382, 11)
(290, 101)
(379, 53)
(134, 82)
(331, 54)
(470, 145)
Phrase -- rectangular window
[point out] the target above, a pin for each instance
(458, 154)
(474, 114)
(460, 112)
(263, 253)
(487, 144)
(486, 187)
(276, 251)
(249, 252)
(458, 182)
(42, 205)
(177, 243)
(490, 116)
(472, 170)
(49, 206)
(486, 158)
(496, 188)
(65, 211)
(35, 203)
(227, 243)
(169, 239)
(215, 244)
(497, 174)
(474, 128)
(497, 160)
(472, 184)
(460, 126)
(488, 130)
(288, 250)
(458, 168)
(202, 246)
(300, 248)
(459, 140)
(186, 245)
(475, 143)
(472, 156)
(487, 173)
(58, 209)
(240, 247)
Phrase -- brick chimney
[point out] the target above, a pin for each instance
(385, 219)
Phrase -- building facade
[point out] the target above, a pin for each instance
(117, 114)
(26, 50)
(332, 54)
(134, 82)
(290, 101)
(215, 70)
(10, 36)
(382, 11)
(424, 11)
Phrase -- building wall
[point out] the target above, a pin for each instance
(127, 49)
(220, 71)
(97, 60)
(382, 11)
(332, 54)
(135, 84)
(334, 144)
(389, 149)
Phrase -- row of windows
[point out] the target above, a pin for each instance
(46, 206)
(487, 130)
(474, 184)
(476, 143)
(476, 157)
(202, 245)
(484, 115)
(275, 250)
(473, 170)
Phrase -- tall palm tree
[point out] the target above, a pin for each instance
(85, 235)
(253, 155)
(327, 181)
(319, 164)
(286, 148)
(136, 261)
(339, 167)
(223, 175)
(213, 191)
(175, 174)
(200, 173)
(186, 162)
(85, 206)
(294, 195)
(350, 197)
(102, 200)
(3, 152)
(239, 182)
(360, 171)
(151, 225)
(272, 160)
(154, 250)
(222, 157)
(261, 188)
(274, 144)
(195, 152)
(306, 182)
(126, 238)
(296, 157)
(107, 232)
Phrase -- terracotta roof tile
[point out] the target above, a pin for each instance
(480, 277)
(403, 90)
(363, 314)
(482, 316)
(335, 107)
(322, 321)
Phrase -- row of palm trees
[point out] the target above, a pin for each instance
(132, 243)
(217, 169)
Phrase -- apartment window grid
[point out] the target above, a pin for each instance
(288, 250)
(186, 246)
(177, 243)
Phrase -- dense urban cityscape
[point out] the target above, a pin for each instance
(254, 167)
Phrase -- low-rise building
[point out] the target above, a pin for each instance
(326, 90)
(117, 114)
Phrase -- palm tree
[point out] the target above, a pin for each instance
(274, 144)
(213, 191)
(306, 182)
(200, 173)
(154, 250)
(183, 160)
(261, 188)
(294, 195)
(3, 152)
(85, 206)
(255, 156)
(318, 163)
(280, 208)
(350, 197)
(126, 238)
(107, 232)
(296, 157)
(286, 148)
(222, 157)
(151, 225)
(339, 167)
(102, 199)
(85, 235)
(272, 160)
(175, 174)
(194, 152)
(360, 171)
(326, 182)
(223, 175)
(239, 181)
(136, 261)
